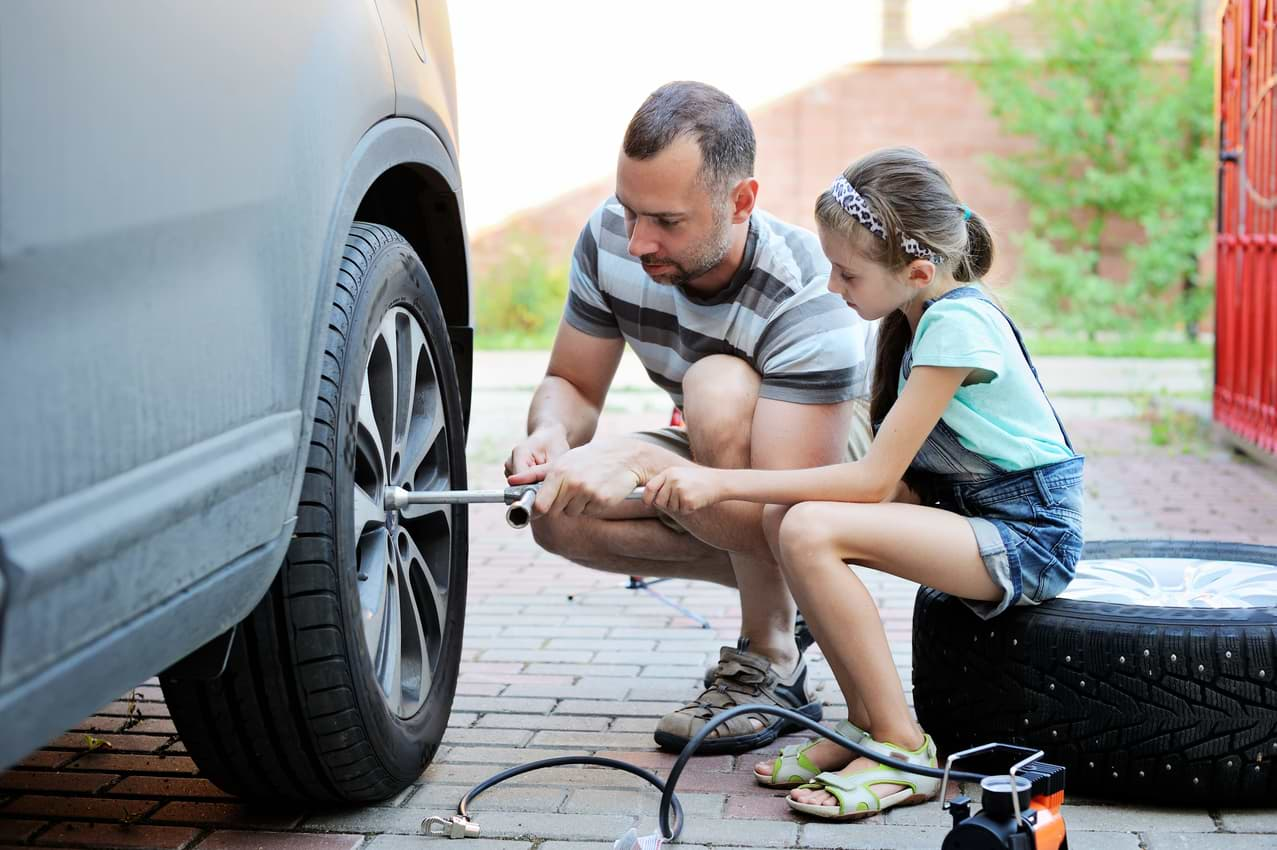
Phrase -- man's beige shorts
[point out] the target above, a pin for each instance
(674, 439)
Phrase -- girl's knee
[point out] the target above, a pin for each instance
(805, 532)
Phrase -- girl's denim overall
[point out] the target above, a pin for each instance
(1028, 524)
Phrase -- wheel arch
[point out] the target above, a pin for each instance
(402, 174)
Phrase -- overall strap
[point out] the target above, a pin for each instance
(974, 292)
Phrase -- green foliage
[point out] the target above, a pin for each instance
(1115, 136)
(1117, 345)
(520, 297)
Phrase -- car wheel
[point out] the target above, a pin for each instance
(1151, 678)
(339, 684)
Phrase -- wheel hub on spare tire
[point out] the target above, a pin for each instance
(1175, 583)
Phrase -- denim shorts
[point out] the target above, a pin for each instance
(1028, 525)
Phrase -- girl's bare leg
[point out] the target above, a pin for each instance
(927, 545)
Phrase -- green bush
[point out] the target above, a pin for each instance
(520, 297)
(1116, 136)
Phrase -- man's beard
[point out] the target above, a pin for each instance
(709, 255)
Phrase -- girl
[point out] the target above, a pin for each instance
(993, 484)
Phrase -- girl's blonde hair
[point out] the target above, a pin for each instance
(912, 197)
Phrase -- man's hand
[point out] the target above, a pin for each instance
(586, 480)
(684, 489)
(540, 449)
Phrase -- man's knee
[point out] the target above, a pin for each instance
(720, 393)
(773, 515)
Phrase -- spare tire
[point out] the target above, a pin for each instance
(1151, 678)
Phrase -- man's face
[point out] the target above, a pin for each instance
(676, 229)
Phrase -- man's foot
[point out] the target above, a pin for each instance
(741, 677)
(802, 637)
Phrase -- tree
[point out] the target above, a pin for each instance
(1115, 135)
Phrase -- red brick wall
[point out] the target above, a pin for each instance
(807, 138)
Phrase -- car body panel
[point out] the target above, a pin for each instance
(176, 184)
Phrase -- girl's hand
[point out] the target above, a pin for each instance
(684, 489)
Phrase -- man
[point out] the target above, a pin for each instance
(728, 309)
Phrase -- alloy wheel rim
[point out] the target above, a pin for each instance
(1175, 583)
(403, 557)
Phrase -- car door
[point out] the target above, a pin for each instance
(167, 179)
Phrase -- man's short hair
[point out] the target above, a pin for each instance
(721, 129)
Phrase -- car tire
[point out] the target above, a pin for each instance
(339, 684)
(1156, 702)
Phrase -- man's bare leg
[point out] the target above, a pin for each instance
(720, 395)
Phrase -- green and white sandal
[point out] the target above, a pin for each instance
(853, 792)
(793, 764)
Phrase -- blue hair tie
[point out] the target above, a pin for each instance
(966, 213)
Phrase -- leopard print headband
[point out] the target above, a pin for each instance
(856, 207)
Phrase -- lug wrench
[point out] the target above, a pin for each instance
(519, 499)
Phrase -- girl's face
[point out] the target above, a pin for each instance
(871, 289)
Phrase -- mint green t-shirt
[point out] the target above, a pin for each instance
(1000, 413)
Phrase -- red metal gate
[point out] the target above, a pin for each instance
(1246, 245)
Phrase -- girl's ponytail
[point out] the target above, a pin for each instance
(893, 338)
(977, 259)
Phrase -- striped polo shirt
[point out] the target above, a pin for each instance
(776, 313)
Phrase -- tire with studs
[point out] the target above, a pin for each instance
(1152, 678)
(339, 684)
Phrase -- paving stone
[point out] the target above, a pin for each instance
(638, 803)
(513, 705)
(514, 737)
(40, 780)
(545, 655)
(690, 659)
(368, 819)
(598, 645)
(50, 759)
(413, 842)
(555, 826)
(235, 840)
(542, 721)
(563, 631)
(623, 670)
(592, 740)
(227, 814)
(52, 807)
(717, 831)
(472, 774)
(501, 755)
(17, 831)
(443, 799)
(1135, 819)
(1157, 840)
(654, 710)
(593, 689)
(167, 786)
(133, 763)
(1250, 820)
(869, 836)
(116, 835)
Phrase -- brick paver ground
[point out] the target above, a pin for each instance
(562, 660)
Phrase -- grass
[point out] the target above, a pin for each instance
(1041, 345)
(513, 340)
(1048, 345)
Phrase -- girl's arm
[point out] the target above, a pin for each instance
(871, 479)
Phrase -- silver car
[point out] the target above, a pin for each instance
(234, 310)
